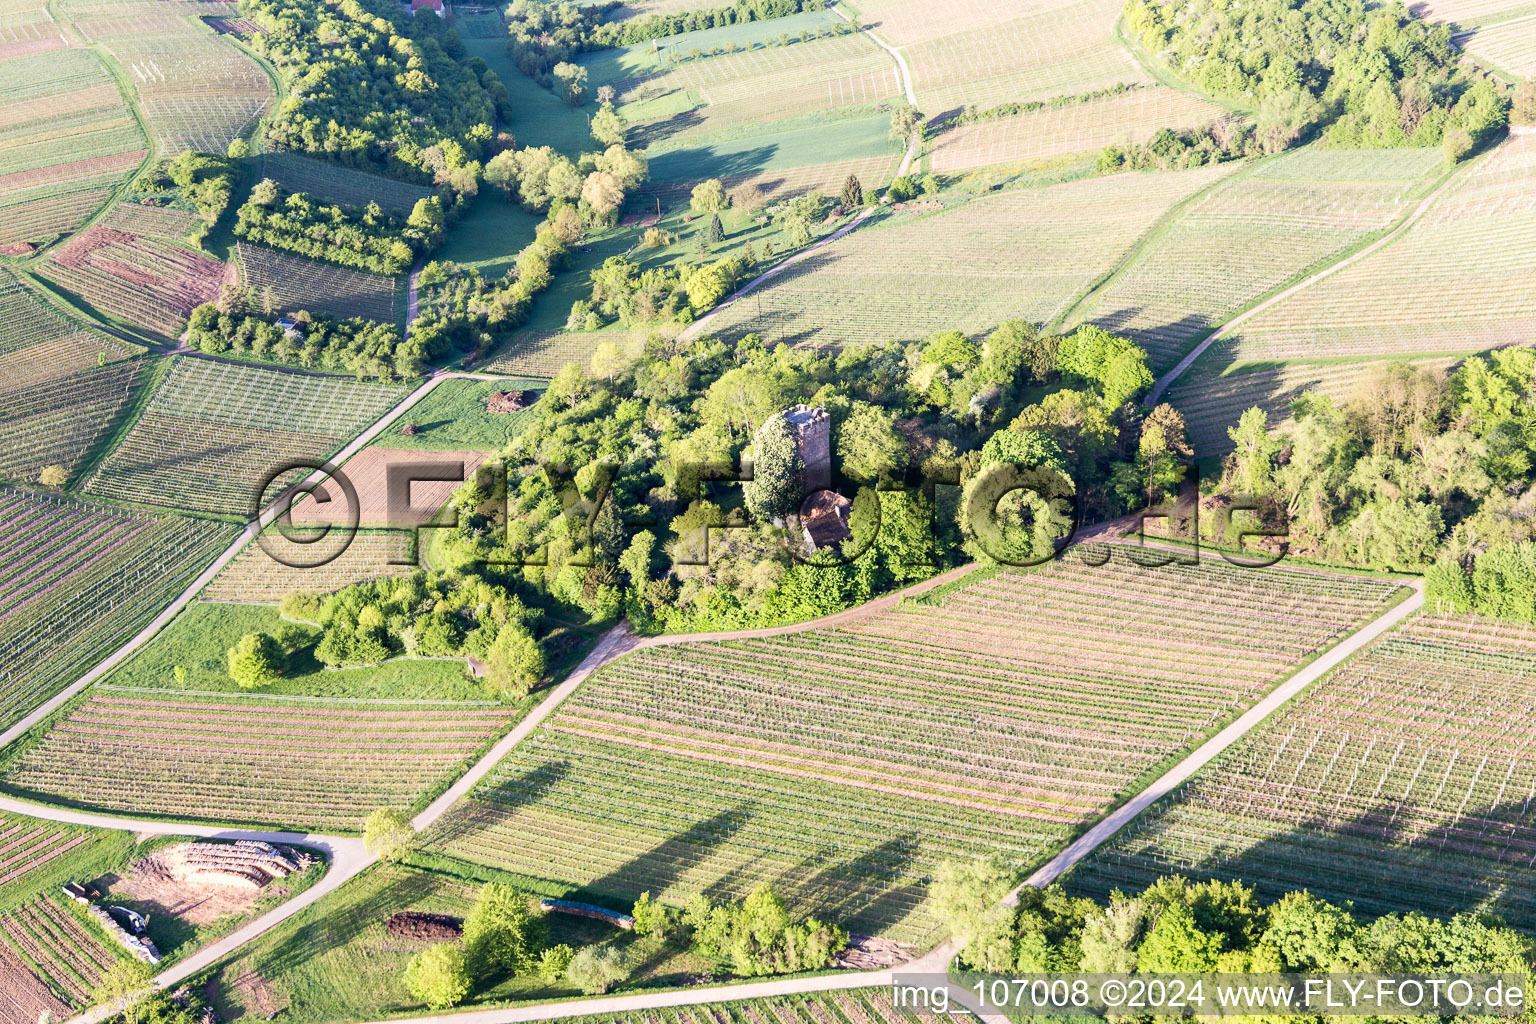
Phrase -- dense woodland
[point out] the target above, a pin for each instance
(372, 87)
(1372, 76)
(357, 345)
(370, 238)
(608, 498)
(1179, 926)
(1416, 465)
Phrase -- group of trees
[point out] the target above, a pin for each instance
(203, 181)
(1373, 76)
(1413, 465)
(371, 86)
(548, 35)
(626, 525)
(546, 181)
(751, 937)
(428, 614)
(501, 937)
(1499, 581)
(356, 345)
(1180, 926)
(366, 238)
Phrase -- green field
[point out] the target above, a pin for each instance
(454, 418)
(490, 234)
(336, 962)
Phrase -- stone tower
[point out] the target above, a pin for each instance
(813, 439)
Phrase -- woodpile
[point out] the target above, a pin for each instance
(868, 953)
(507, 402)
(245, 864)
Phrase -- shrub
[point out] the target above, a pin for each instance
(256, 660)
(438, 976)
(596, 969)
(555, 961)
(53, 475)
(500, 934)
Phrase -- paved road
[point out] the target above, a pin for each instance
(1167, 379)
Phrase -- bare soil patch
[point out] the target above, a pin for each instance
(200, 882)
(369, 472)
(412, 924)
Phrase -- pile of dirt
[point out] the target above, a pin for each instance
(197, 882)
(18, 249)
(424, 927)
(926, 204)
(507, 401)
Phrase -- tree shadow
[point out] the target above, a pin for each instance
(668, 862)
(1376, 859)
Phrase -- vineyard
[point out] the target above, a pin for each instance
(198, 90)
(976, 53)
(308, 763)
(1253, 234)
(1123, 119)
(778, 183)
(856, 1006)
(88, 572)
(845, 764)
(1403, 781)
(61, 420)
(151, 221)
(65, 138)
(256, 576)
(41, 343)
(337, 184)
(297, 283)
(148, 282)
(1458, 280)
(1017, 254)
(59, 947)
(214, 433)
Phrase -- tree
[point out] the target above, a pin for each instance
(708, 197)
(514, 662)
(256, 660)
(905, 120)
(238, 149)
(388, 834)
(53, 475)
(438, 976)
(968, 895)
(1248, 467)
(606, 94)
(596, 969)
(554, 962)
(602, 194)
(1178, 944)
(608, 127)
(126, 987)
(265, 193)
(758, 936)
(774, 490)
(573, 81)
(868, 445)
(500, 935)
(853, 193)
(712, 231)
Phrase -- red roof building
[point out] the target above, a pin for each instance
(427, 5)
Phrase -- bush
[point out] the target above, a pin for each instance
(554, 962)
(596, 969)
(53, 475)
(500, 935)
(903, 188)
(438, 976)
(256, 660)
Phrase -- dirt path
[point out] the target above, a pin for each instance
(1167, 380)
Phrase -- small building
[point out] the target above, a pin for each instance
(435, 6)
(824, 520)
(289, 327)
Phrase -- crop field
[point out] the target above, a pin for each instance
(1017, 254)
(198, 90)
(1466, 13)
(299, 283)
(59, 947)
(317, 763)
(542, 353)
(256, 576)
(89, 572)
(66, 137)
(214, 433)
(855, 1006)
(338, 184)
(874, 172)
(149, 282)
(1508, 46)
(1403, 781)
(1458, 280)
(843, 764)
(1253, 234)
(1123, 119)
(978, 53)
(151, 221)
(41, 342)
(24, 999)
(1212, 398)
(60, 420)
